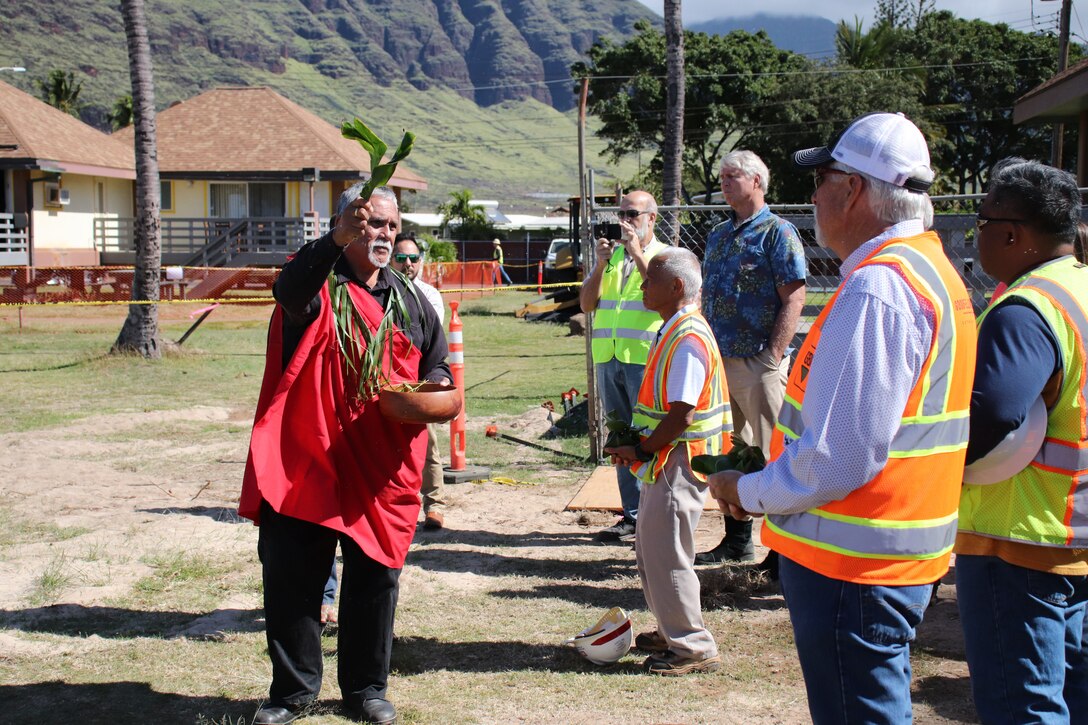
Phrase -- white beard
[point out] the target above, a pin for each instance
(374, 247)
(820, 240)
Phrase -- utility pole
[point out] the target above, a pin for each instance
(1063, 61)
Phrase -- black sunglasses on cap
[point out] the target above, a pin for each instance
(402, 257)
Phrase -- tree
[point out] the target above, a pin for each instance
(121, 115)
(61, 91)
(471, 219)
(672, 151)
(140, 333)
(727, 80)
(902, 13)
(977, 71)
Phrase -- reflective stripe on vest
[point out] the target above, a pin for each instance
(871, 538)
(910, 540)
(622, 326)
(1047, 503)
(712, 420)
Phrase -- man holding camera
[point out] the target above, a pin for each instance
(623, 328)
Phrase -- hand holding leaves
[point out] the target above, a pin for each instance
(742, 457)
(620, 431)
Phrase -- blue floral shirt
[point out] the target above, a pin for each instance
(744, 265)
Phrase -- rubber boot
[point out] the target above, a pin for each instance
(738, 540)
(735, 546)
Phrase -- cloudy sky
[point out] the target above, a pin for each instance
(1016, 13)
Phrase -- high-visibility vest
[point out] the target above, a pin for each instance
(898, 528)
(1047, 502)
(709, 432)
(622, 326)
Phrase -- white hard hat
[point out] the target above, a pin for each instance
(606, 641)
(1014, 453)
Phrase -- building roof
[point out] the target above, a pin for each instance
(255, 131)
(1062, 97)
(34, 135)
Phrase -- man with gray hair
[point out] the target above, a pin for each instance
(753, 291)
(683, 407)
(867, 455)
(325, 466)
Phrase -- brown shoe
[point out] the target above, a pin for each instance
(671, 664)
(433, 521)
(651, 642)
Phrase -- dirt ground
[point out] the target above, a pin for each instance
(124, 503)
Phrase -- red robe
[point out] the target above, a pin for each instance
(314, 457)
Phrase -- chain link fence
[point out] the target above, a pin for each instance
(954, 221)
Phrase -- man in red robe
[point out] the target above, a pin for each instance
(325, 467)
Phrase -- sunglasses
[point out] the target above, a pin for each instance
(631, 213)
(820, 176)
(981, 221)
(402, 258)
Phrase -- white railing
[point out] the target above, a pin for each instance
(13, 241)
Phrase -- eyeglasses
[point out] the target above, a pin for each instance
(402, 258)
(981, 221)
(819, 176)
(631, 213)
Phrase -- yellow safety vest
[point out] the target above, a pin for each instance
(709, 432)
(622, 326)
(1047, 502)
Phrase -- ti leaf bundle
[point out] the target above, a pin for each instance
(620, 431)
(743, 458)
(380, 173)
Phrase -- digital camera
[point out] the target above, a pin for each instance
(607, 230)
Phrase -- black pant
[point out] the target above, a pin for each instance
(295, 555)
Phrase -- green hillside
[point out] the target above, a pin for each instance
(480, 82)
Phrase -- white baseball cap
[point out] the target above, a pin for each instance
(885, 146)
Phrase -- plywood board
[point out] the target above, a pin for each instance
(601, 493)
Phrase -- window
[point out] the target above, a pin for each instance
(227, 201)
(267, 200)
(167, 193)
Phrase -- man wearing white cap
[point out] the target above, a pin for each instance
(867, 454)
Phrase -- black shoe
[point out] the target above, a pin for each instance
(726, 551)
(623, 530)
(769, 565)
(375, 710)
(278, 714)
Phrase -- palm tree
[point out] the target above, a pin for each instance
(460, 209)
(673, 146)
(60, 90)
(121, 115)
(140, 333)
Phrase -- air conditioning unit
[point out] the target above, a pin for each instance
(57, 196)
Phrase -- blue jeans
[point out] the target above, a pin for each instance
(617, 384)
(853, 641)
(1027, 646)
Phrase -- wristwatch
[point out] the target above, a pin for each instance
(641, 453)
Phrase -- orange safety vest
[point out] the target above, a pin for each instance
(709, 431)
(898, 529)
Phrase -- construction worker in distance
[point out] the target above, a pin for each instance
(623, 329)
(867, 454)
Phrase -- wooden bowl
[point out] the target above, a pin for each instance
(420, 403)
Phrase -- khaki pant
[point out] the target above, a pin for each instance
(431, 491)
(668, 513)
(757, 386)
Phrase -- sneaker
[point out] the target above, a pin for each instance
(724, 552)
(651, 642)
(622, 530)
(671, 664)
